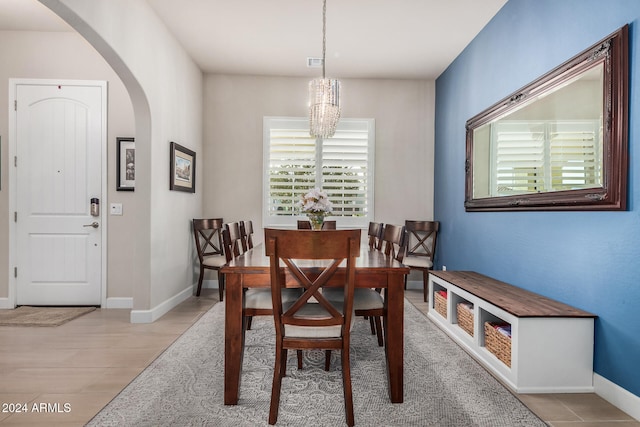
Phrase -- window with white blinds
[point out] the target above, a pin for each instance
(535, 156)
(295, 162)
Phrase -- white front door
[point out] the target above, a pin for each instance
(60, 133)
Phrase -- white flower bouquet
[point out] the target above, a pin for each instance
(316, 201)
(316, 205)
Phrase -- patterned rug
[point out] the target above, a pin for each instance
(443, 386)
(41, 316)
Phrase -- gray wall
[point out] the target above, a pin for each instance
(233, 110)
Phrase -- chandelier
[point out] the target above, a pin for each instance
(324, 95)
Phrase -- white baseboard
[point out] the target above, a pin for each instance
(149, 316)
(617, 396)
(4, 304)
(119, 302)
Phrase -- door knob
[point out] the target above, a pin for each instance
(94, 224)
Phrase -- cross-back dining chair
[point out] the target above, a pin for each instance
(256, 302)
(207, 233)
(304, 224)
(231, 243)
(246, 234)
(421, 248)
(323, 325)
(232, 240)
(375, 234)
(393, 241)
(368, 303)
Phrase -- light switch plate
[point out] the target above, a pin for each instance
(115, 209)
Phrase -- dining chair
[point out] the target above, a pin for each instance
(304, 224)
(326, 225)
(246, 234)
(207, 233)
(368, 303)
(375, 240)
(256, 301)
(393, 241)
(421, 248)
(232, 240)
(255, 298)
(231, 244)
(375, 234)
(324, 324)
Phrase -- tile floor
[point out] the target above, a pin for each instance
(77, 368)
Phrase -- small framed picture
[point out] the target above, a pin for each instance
(126, 164)
(183, 169)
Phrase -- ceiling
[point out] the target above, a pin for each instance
(399, 39)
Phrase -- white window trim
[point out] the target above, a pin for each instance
(290, 221)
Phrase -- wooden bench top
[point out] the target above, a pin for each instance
(516, 301)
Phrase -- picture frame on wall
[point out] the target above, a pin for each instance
(125, 164)
(183, 169)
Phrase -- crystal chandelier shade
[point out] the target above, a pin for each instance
(324, 107)
(324, 95)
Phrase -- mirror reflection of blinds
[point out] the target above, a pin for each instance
(535, 156)
(575, 155)
(341, 165)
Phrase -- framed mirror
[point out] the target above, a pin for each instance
(559, 143)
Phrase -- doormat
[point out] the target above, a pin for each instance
(41, 316)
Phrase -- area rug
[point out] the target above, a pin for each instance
(41, 316)
(443, 385)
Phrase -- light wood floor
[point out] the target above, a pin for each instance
(77, 368)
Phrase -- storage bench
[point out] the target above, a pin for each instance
(534, 344)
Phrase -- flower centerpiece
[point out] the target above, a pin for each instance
(316, 205)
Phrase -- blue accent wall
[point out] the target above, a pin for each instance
(590, 260)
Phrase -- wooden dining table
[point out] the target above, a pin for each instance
(373, 270)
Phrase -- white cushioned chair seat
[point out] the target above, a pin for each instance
(363, 298)
(314, 310)
(261, 298)
(214, 261)
(417, 261)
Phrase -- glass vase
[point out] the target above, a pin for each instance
(316, 220)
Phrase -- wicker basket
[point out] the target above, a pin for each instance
(497, 343)
(465, 317)
(440, 303)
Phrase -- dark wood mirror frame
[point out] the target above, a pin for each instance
(613, 52)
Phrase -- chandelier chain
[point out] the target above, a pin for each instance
(324, 95)
(324, 35)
